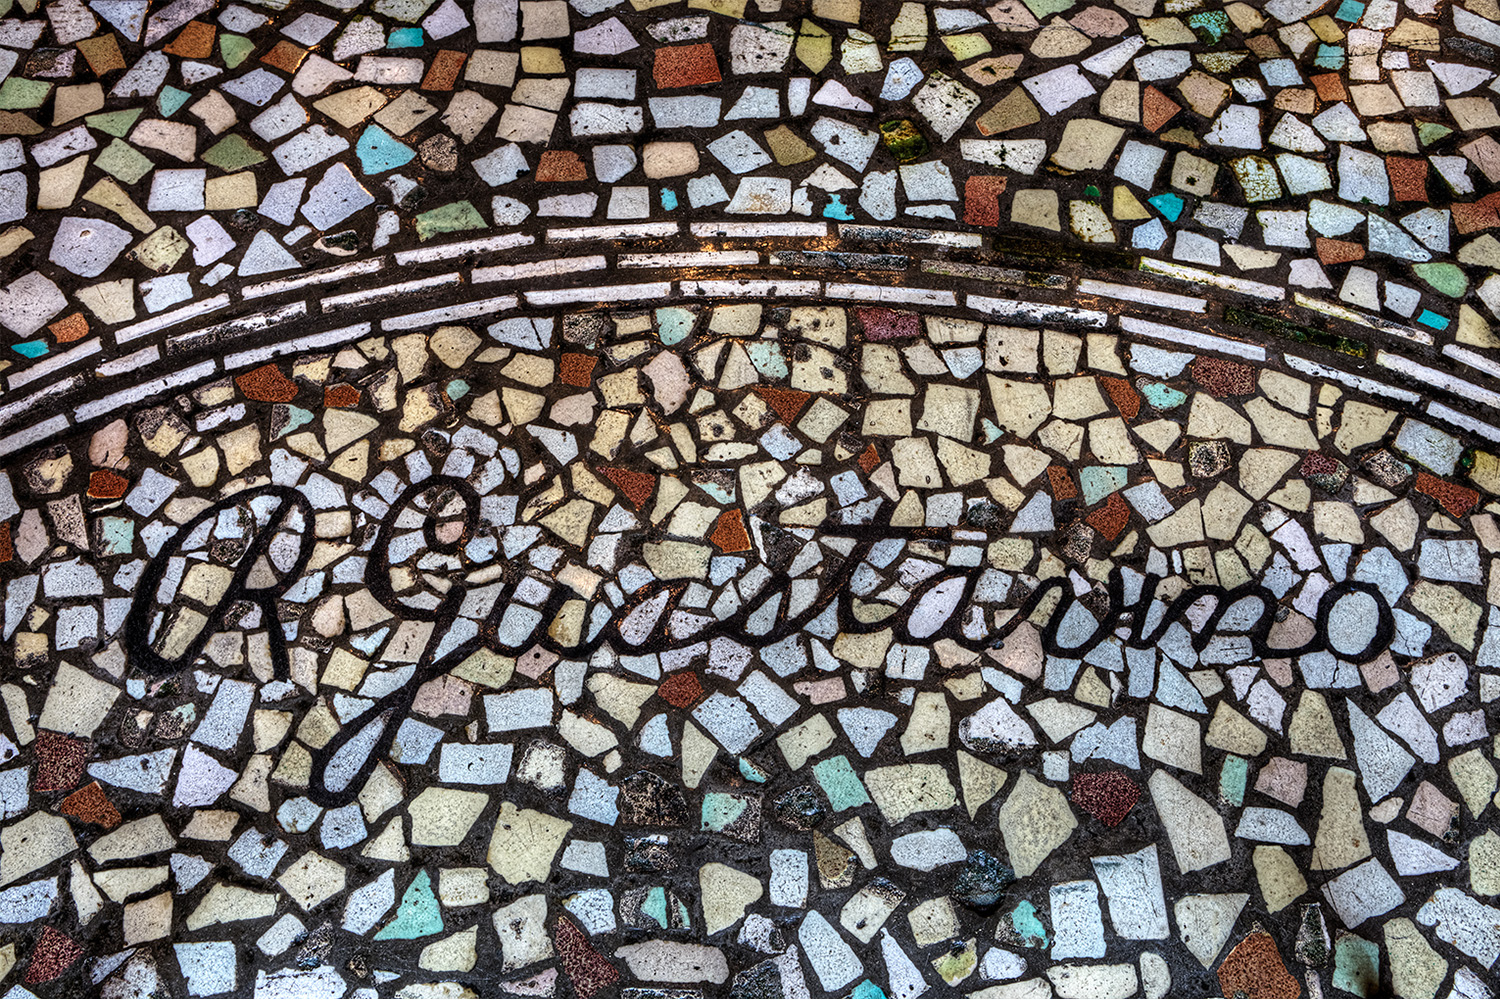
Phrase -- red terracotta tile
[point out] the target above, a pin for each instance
(1473, 217)
(1455, 499)
(729, 532)
(1157, 109)
(1063, 487)
(982, 200)
(637, 486)
(1123, 395)
(786, 402)
(70, 328)
(1255, 968)
(1408, 177)
(681, 689)
(561, 165)
(267, 384)
(577, 369)
(1339, 251)
(1330, 87)
(1110, 518)
(342, 396)
(91, 805)
(686, 66)
(443, 73)
(106, 484)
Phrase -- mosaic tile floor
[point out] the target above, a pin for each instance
(757, 498)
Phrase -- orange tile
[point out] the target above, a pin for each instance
(1408, 177)
(194, 41)
(1472, 217)
(1330, 87)
(70, 328)
(285, 56)
(267, 384)
(786, 402)
(1339, 251)
(561, 165)
(578, 369)
(1157, 109)
(342, 396)
(443, 73)
(686, 66)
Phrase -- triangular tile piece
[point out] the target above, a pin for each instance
(980, 781)
(266, 255)
(128, 16)
(1205, 922)
(1157, 109)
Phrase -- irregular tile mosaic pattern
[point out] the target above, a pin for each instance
(831, 498)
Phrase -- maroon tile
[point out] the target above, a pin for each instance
(59, 761)
(1224, 378)
(881, 323)
(53, 955)
(590, 971)
(1326, 473)
(1108, 796)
